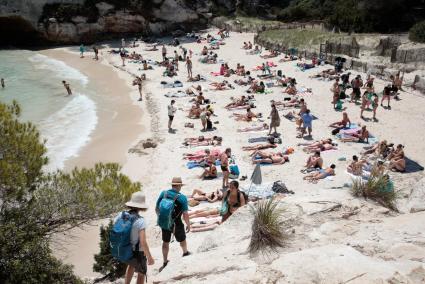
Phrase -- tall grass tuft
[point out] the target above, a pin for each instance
(378, 187)
(267, 228)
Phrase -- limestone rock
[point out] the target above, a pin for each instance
(337, 264)
(416, 201)
(173, 11)
(104, 8)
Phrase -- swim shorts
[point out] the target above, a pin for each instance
(179, 232)
(171, 117)
(224, 169)
(138, 261)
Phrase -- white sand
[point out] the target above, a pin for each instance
(402, 124)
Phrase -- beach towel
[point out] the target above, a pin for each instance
(176, 95)
(304, 91)
(175, 84)
(192, 164)
(260, 191)
(258, 139)
(215, 74)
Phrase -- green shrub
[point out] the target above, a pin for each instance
(267, 227)
(378, 187)
(105, 264)
(417, 32)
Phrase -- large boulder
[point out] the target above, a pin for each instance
(416, 200)
(174, 11)
(339, 264)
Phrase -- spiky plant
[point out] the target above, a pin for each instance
(267, 227)
(377, 188)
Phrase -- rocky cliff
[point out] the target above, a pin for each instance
(75, 21)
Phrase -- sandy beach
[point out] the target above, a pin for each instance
(123, 122)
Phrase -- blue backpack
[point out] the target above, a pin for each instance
(165, 212)
(119, 237)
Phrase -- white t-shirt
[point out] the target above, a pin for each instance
(138, 225)
(171, 110)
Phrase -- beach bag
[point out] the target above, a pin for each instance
(335, 131)
(165, 212)
(119, 237)
(234, 170)
(209, 124)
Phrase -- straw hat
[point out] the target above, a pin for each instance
(138, 200)
(177, 181)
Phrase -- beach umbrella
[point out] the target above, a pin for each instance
(256, 175)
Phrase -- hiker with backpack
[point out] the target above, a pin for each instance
(128, 239)
(170, 207)
(233, 199)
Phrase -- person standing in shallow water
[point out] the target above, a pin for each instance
(2, 83)
(82, 49)
(67, 87)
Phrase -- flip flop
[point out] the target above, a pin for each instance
(163, 266)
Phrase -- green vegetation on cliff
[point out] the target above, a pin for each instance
(348, 15)
(417, 32)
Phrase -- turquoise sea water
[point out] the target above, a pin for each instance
(35, 82)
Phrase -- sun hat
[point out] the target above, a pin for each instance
(177, 181)
(138, 200)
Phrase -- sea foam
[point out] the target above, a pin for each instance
(68, 129)
(59, 68)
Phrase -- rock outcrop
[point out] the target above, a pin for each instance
(75, 21)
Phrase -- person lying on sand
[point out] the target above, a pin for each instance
(264, 126)
(194, 90)
(259, 146)
(320, 174)
(154, 48)
(246, 82)
(245, 117)
(288, 58)
(200, 195)
(322, 145)
(327, 74)
(203, 155)
(196, 78)
(361, 136)
(203, 141)
(242, 101)
(262, 157)
(206, 212)
(345, 122)
(220, 86)
(272, 54)
(293, 102)
(204, 227)
(397, 159)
